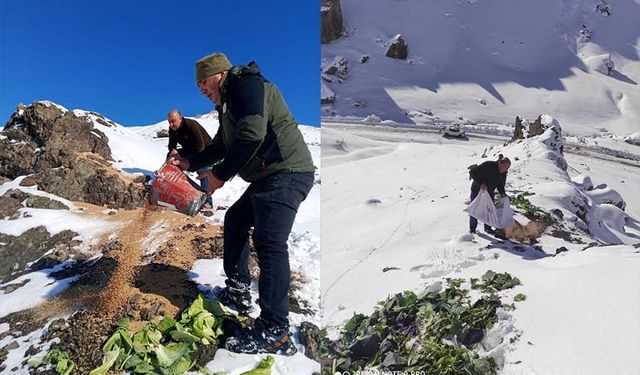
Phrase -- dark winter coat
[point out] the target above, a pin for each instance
(191, 136)
(488, 173)
(257, 136)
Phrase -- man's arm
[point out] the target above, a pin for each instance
(501, 183)
(211, 154)
(247, 104)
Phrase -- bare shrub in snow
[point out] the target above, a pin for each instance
(340, 145)
(585, 34)
(604, 8)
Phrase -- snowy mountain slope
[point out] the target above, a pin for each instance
(488, 61)
(135, 150)
(393, 221)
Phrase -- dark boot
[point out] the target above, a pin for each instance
(262, 338)
(237, 297)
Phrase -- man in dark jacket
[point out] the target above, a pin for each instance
(192, 137)
(259, 140)
(490, 175)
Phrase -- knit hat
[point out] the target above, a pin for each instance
(210, 65)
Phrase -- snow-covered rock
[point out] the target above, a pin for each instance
(397, 48)
(525, 58)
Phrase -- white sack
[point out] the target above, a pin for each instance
(504, 214)
(483, 209)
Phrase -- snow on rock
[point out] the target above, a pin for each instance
(131, 152)
(525, 58)
(38, 288)
(327, 96)
(16, 357)
(633, 138)
(339, 68)
(372, 119)
(601, 64)
(398, 48)
(606, 195)
(583, 182)
(49, 103)
(541, 168)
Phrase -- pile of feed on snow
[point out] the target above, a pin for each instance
(437, 332)
(142, 273)
(116, 294)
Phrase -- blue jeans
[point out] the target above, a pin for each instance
(269, 206)
(204, 184)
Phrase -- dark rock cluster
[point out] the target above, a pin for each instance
(398, 48)
(330, 20)
(65, 155)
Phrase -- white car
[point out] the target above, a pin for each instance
(454, 131)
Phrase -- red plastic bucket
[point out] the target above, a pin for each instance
(172, 189)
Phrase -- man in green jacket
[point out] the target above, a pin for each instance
(259, 140)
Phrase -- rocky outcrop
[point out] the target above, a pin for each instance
(330, 20)
(398, 48)
(518, 132)
(14, 199)
(43, 136)
(18, 251)
(89, 178)
(164, 133)
(9, 207)
(339, 68)
(65, 155)
(536, 128)
(524, 129)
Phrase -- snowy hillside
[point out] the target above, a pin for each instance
(480, 61)
(164, 252)
(393, 221)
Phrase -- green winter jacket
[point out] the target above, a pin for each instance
(257, 136)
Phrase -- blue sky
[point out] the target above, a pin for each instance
(133, 61)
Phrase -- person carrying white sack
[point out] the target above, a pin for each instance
(490, 175)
